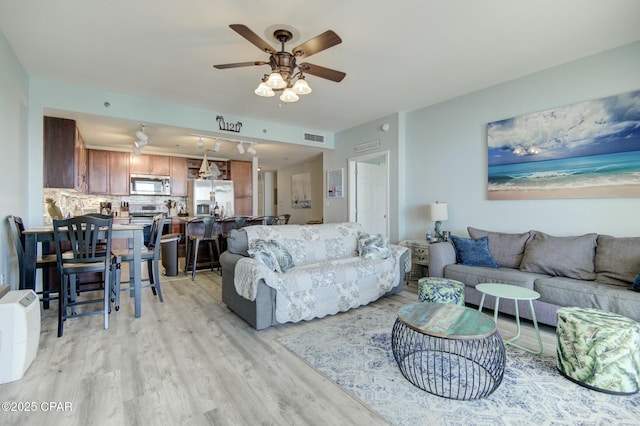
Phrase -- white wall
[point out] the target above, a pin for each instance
(13, 161)
(336, 209)
(447, 153)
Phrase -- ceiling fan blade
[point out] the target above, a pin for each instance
(323, 72)
(254, 38)
(240, 64)
(317, 44)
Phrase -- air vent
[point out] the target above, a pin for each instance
(313, 138)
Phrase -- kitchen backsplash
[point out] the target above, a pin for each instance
(74, 204)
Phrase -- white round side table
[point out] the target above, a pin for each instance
(507, 291)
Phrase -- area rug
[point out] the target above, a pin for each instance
(354, 351)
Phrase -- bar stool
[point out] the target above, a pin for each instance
(203, 230)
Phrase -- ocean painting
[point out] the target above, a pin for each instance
(586, 150)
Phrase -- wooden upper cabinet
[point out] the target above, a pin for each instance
(178, 176)
(145, 164)
(65, 162)
(108, 172)
(98, 171)
(119, 173)
(242, 176)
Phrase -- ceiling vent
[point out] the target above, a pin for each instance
(313, 138)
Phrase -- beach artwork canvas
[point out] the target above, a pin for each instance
(585, 150)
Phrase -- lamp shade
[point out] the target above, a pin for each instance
(275, 81)
(437, 211)
(264, 90)
(301, 87)
(289, 95)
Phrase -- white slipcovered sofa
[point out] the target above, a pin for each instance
(328, 274)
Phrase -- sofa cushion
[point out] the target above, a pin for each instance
(592, 294)
(571, 257)
(263, 255)
(617, 260)
(237, 242)
(472, 252)
(282, 256)
(506, 249)
(474, 275)
(373, 246)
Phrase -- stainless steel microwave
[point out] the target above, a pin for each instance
(150, 185)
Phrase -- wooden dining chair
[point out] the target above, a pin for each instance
(85, 235)
(150, 255)
(202, 230)
(43, 261)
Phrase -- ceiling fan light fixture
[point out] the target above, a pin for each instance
(289, 95)
(301, 87)
(264, 90)
(240, 148)
(275, 81)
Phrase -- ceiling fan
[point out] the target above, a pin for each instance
(284, 66)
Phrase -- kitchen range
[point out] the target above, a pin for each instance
(142, 214)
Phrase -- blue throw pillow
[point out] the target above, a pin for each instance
(636, 284)
(473, 252)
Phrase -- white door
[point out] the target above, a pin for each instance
(369, 197)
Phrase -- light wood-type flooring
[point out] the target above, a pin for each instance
(187, 361)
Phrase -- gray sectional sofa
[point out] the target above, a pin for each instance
(591, 271)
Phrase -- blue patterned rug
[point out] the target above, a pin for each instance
(355, 352)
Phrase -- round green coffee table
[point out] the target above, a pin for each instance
(507, 291)
(448, 350)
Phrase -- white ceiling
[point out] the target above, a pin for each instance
(398, 56)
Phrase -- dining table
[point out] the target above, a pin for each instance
(44, 234)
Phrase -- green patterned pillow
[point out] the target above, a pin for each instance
(373, 246)
(282, 256)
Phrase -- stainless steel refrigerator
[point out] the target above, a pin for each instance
(203, 194)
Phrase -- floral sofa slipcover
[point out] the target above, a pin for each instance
(328, 274)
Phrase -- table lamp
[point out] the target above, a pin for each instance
(437, 213)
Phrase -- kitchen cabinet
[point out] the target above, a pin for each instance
(145, 164)
(118, 173)
(241, 173)
(65, 155)
(108, 172)
(178, 174)
(98, 171)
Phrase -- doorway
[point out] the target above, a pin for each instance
(369, 192)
